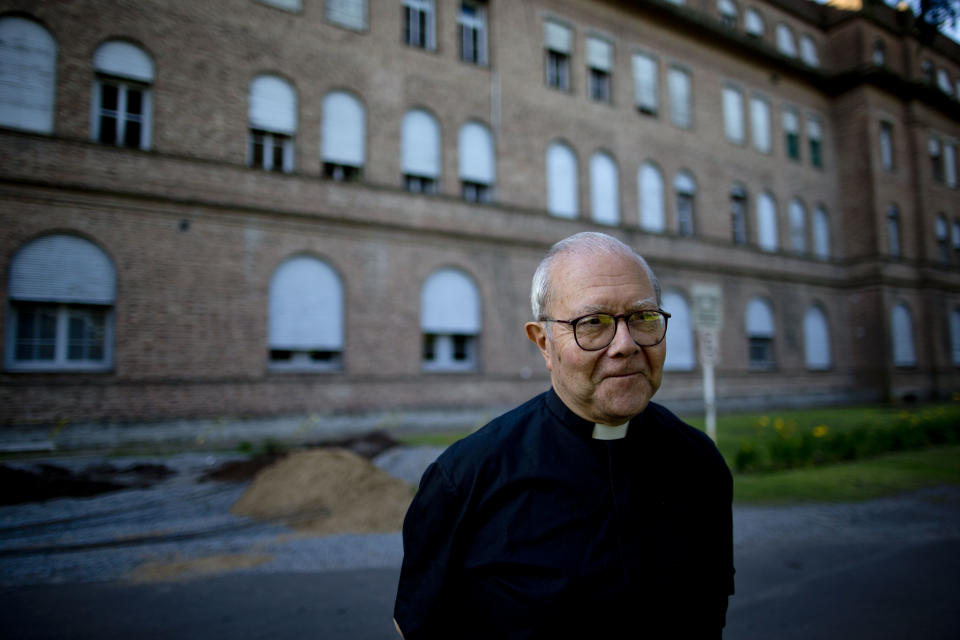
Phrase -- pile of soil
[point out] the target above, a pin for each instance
(326, 491)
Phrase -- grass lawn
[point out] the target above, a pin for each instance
(859, 480)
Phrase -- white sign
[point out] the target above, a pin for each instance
(707, 306)
(709, 343)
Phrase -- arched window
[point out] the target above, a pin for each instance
(893, 231)
(785, 41)
(562, 192)
(798, 226)
(122, 103)
(767, 223)
(753, 22)
(450, 321)
(420, 144)
(760, 334)
(738, 213)
(28, 64)
(604, 188)
(808, 51)
(650, 182)
(477, 164)
(728, 13)
(344, 140)
(61, 291)
(821, 233)
(904, 354)
(684, 190)
(305, 316)
(273, 123)
(955, 335)
(680, 351)
(816, 339)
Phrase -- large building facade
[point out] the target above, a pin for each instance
(238, 208)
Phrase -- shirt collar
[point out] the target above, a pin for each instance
(606, 432)
(583, 428)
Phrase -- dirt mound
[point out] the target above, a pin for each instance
(325, 491)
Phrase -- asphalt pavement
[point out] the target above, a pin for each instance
(886, 568)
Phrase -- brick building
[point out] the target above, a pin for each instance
(277, 207)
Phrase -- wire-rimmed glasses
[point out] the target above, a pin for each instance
(595, 331)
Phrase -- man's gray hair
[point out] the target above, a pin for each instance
(587, 242)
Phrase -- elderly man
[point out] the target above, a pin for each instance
(589, 511)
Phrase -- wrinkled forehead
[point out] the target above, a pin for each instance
(589, 280)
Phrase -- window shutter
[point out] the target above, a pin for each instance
(785, 42)
(766, 223)
(273, 105)
(651, 198)
(645, 82)
(759, 319)
(950, 164)
(683, 183)
(123, 60)
(760, 117)
(306, 306)
(733, 114)
(821, 233)
(562, 190)
(421, 144)
(816, 335)
(62, 268)
(604, 189)
(344, 137)
(790, 122)
(28, 61)
(599, 54)
(679, 86)
(450, 303)
(557, 37)
(808, 51)
(347, 13)
(754, 23)
(904, 354)
(476, 154)
(680, 355)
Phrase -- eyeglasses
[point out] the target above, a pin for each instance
(595, 331)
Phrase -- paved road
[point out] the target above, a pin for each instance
(881, 569)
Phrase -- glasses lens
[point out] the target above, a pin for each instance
(595, 332)
(647, 327)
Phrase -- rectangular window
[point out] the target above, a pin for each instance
(760, 124)
(449, 352)
(733, 115)
(419, 184)
(645, 81)
(121, 114)
(418, 23)
(473, 33)
(936, 159)
(59, 336)
(950, 164)
(738, 218)
(814, 139)
(761, 353)
(347, 13)
(270, 151)
(558, 43)
(342, 172)
(681, 108)
(886, 146)
(684, 214)
(599, 69)
(476, 192)
(791, 132)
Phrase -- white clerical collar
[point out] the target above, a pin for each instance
(606, 432)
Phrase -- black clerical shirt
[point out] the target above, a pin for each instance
(530, 528)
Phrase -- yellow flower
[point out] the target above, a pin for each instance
(956, 396)
(779, 424)
(763, 421)
(820, 430)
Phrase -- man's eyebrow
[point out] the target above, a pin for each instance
(642, 304)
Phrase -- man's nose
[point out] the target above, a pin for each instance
(623, 343)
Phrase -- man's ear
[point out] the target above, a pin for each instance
(537, 333)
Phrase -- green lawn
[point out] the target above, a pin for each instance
(850, 481)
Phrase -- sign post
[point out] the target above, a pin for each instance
(708, 319)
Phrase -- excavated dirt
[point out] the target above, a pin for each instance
(326, 491)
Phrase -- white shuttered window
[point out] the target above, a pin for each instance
(28, 62)
(733, 114)
(650, 182)
(604, 189)
(347, 13)
(450, 321)
(645, 83)
(562, 190)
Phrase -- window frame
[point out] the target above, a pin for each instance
(477, 26)
(419, 24)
